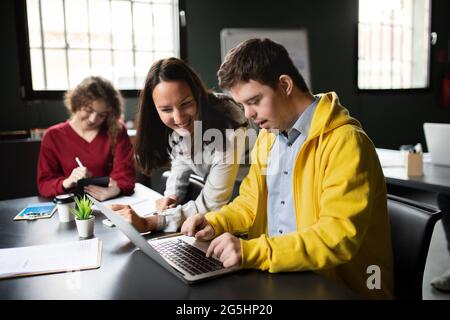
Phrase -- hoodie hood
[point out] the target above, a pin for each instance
(329, 115)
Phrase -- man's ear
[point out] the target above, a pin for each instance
(286, 84)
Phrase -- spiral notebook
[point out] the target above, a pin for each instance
(51, 258)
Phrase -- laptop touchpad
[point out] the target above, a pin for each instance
(202, 245)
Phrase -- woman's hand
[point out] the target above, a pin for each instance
(141, 224)
(77, 174)
(166, 203)
(103, 193)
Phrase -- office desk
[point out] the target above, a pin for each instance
(436, 178)
(127, 273)
(22, 183)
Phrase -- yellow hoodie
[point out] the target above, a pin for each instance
(340, 205)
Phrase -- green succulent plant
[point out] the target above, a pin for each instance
(84, 208)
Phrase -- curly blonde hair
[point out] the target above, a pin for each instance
(97, 88)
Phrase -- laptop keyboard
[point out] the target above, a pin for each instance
(187, 256)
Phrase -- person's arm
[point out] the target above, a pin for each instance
(214, 195)
(345, 209)
(123, 171)
(178, 180)
(238, 216)
(141, 224)
(176, 188)
(220, 181)
(218, 186)
(49, 174)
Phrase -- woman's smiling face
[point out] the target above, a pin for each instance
(176, 106)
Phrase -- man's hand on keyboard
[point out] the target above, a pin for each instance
(197, 226)
(227, 248)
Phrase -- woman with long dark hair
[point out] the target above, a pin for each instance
(176, 113)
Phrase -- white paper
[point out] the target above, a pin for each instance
(390, 158)
(395, 158)
(49, 258)
(142, 200)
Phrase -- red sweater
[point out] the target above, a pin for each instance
(61, 144)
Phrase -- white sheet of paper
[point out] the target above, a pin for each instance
(142, 200)
(69, 256)
(394, 158)
(390, 158)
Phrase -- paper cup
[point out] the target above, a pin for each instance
(64, 203)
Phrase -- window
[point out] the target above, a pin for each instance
(68, 40)
(393, 44)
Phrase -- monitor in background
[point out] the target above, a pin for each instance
(437, 136)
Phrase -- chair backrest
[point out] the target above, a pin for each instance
(412, 226)
(196, 185)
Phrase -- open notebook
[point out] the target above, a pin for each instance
(142, 200)
(51, 258)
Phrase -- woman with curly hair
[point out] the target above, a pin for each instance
(96, 136)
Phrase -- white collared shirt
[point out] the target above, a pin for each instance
(280, 201)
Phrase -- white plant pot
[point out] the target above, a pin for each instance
(64, 213)
(85, 227)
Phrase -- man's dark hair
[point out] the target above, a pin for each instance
(260, 60)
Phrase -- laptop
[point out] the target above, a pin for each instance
(182, 256)
(437, 136)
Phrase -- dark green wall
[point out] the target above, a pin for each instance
(389, 119)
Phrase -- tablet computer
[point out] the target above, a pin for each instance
(97, 181)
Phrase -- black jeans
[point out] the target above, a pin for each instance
(443, 201)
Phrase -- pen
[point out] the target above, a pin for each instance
(79, 162)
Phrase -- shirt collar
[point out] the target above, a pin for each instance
(303, 122)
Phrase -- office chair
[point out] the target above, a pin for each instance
(412, 225)
(196, 185)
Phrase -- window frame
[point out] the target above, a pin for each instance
(394, 91)
(26, 86)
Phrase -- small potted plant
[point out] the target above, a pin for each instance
(83, 217)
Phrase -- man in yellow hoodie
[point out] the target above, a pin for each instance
(315, 195)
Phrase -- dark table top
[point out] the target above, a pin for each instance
(127, 273)
(436, 178)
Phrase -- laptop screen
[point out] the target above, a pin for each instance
(437, 136)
